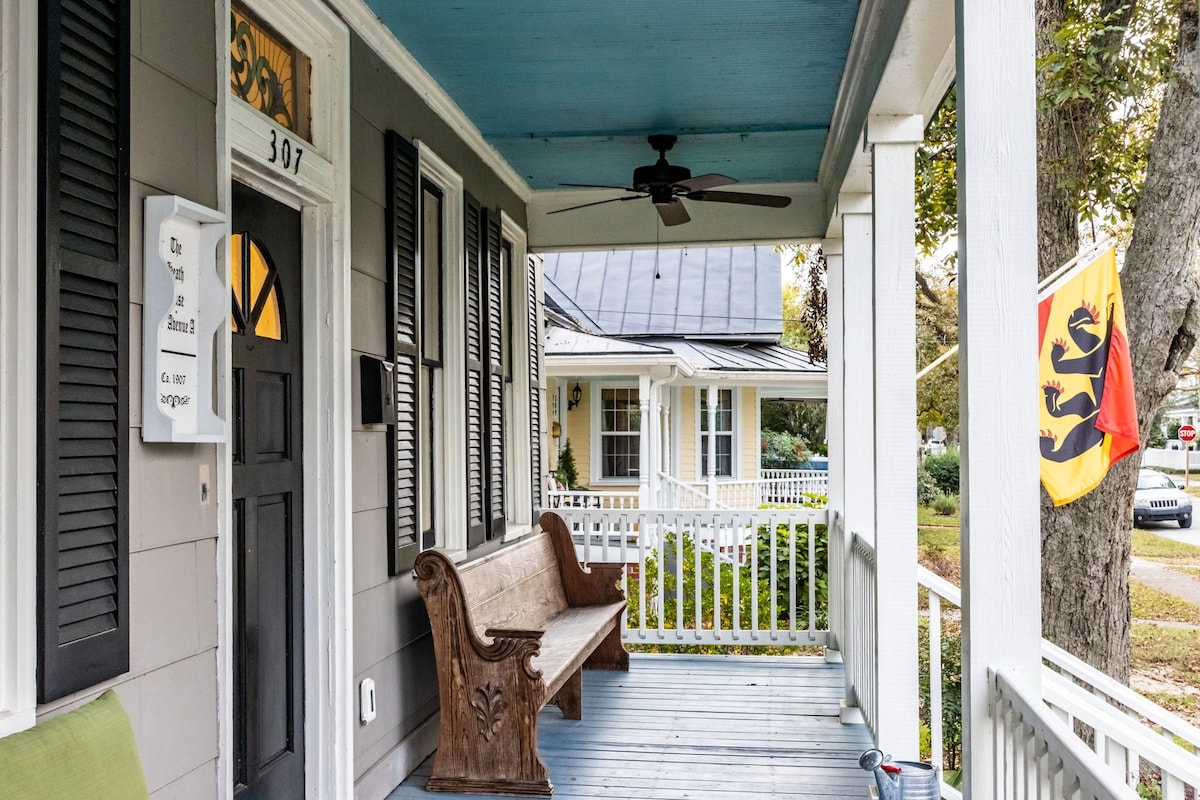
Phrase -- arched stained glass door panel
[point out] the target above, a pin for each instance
(257, 304)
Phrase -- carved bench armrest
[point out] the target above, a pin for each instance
(583, 588)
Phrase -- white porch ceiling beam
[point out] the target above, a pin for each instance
(893, 141)
(997, 299)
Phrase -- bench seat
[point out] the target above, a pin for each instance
(512, 632)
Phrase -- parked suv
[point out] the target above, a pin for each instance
(1157, 498)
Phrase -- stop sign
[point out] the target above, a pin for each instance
(1187, 433)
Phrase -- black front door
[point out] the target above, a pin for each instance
(268, 671)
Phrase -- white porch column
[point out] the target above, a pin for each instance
(711, 438)
(668, 442)
(835, 432)
(894, 141)
(858, 366)
(644, 462)
(997, 329)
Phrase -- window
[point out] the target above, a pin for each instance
(620, 433)
(722, 433)
(431, 354)
(268, 73)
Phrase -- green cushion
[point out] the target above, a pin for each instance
(85, 754)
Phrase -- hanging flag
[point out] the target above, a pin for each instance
(1088, 412)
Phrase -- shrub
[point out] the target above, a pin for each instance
(927, 490)
(783, 450)
(566, 473)
(945, 505)
(951, 687)
(944, 469)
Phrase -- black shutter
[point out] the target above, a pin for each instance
(83, 355)
(403, 445)
(535, 384)
(476, 475)
(495, 382)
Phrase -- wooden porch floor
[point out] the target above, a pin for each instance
(699, 727)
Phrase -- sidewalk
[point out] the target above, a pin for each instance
(1166, 580)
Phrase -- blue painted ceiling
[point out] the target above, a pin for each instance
(568, 90)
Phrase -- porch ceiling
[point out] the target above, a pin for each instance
(772, 93)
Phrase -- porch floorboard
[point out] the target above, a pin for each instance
(699, 727)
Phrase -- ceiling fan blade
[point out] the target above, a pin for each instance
(597, 203)
(672, 213)
(710, 181)
(743, 198)
(598, 186)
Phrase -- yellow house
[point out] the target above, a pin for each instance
(657, 358)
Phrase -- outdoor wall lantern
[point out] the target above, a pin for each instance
(576, 396)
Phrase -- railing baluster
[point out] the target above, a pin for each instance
(812, 577)
(935, 680)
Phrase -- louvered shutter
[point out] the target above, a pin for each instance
(495, 377)
(535, 382)
(476, 471)
(403, 443)
(83, 393)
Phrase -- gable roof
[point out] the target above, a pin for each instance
(700, 293)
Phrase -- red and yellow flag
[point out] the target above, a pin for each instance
(1088, 412)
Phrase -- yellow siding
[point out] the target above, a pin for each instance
(685, 417)
(579, 424)
(749, 441)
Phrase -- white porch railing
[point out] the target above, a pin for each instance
(858, 650)
(674, 493)
(566, 498)
(704, 577)
(775, 487)
(1127, 729)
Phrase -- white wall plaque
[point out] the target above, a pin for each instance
(186, 303)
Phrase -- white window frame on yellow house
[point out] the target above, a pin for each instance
(597, 434)
(734, 433)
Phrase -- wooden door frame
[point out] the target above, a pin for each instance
(319, 187)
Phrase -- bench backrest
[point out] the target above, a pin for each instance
(517, 587)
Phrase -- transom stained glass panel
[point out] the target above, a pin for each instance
(268, 73)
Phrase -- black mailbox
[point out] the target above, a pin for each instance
(376, 388)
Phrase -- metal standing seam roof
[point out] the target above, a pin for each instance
(707, 293)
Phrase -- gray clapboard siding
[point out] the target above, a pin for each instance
(678, 726)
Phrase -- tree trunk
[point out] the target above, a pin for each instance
(1086, 544)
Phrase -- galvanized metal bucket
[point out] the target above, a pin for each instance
(916, 780)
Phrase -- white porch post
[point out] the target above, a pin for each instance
(894, 141)
(711, 438)
(997, 301)
(835, 432)
(858, 366)
(644, 462)
(666, 431)
(857, 370)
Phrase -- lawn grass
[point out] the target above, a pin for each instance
(927, 516)
(938, 550)
(1150, 603)
(1173, 653)
(1148, 545)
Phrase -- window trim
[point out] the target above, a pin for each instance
(735, 397)
(519, 460)
(451, 435)
(597, 437)
(18, 366)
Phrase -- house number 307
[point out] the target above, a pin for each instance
(284, 153)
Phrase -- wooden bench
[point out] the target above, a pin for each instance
(512, 632)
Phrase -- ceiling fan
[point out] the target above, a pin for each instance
(666, 184)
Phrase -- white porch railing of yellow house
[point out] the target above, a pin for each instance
(791, 487)
(727, 577)
(570, 498)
